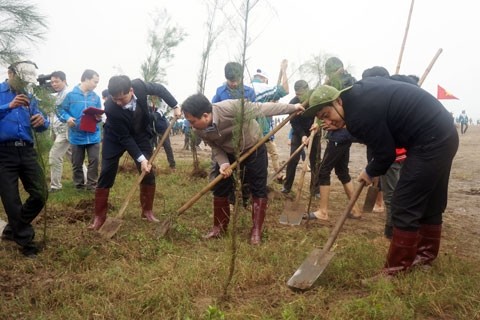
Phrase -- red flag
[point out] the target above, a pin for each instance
(444, 94)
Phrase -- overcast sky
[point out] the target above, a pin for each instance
(111, 37)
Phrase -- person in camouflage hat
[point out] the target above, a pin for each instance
(385, 114)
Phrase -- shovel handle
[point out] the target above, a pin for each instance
(343, 217)
(305, 165)
(297, 151)
(234, 165)
(142, 174)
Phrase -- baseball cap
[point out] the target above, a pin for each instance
(321, 97)
(25, 70)
(261, 73)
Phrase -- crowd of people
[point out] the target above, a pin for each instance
(410, 138)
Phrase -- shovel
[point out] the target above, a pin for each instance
(297, 151)
(293, 212)
(371, 197)
(167, 224)
(313, 266)
(113, 224)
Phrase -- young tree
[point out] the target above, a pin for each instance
(313, 70)
(163, 37)
(21, 24)
(213, 32)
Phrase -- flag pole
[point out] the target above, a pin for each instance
(427, 71)
(404, 38)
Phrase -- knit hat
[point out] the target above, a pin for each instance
(321, 97)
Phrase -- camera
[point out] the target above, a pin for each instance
(44, 82)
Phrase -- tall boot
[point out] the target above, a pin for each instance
(101, 207)
(429, 244)
(147, 194)
(221, 217)
(259, 209)
(402, 251)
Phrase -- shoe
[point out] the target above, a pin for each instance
(352, 216)
(7, 233)
(173, 169)
(53, 190)
(309, 216)
(284, 190)
(317, 195)
(30, 250)
(378, 209)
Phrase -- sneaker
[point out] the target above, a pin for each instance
(53, 190)
(285, 190)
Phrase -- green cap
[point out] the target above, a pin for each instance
(321, 97)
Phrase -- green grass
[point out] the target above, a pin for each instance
(139, 275)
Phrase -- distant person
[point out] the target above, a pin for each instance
(71, 111)
(161, 126)
(337, 153)
(266, 92)
(385, 114)
(61, 145)
(300, 133)
(19, 117)
(463, 118)
(231, 89)
(129, 128)
(216, 124)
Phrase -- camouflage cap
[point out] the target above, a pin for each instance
(332, 65)
(321, 97)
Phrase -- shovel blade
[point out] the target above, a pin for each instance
(110, 227)
(309, 271)
(164, 228)
(292, 213)
(370, 199)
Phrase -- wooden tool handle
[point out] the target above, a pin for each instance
(305, 166)
(234, 165)
(142, 174)
(343, 217)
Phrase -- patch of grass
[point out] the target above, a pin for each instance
(138, 275)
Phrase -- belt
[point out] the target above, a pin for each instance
(18, 143)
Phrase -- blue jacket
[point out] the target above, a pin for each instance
(72, 106)
(15, 123)
(225, 93)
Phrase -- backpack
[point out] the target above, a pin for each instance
(160, 123)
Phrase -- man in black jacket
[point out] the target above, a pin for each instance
(129, 128)
(386, 114)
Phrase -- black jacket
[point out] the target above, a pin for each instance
(132, 131)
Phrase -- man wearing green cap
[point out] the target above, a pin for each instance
(385, 114)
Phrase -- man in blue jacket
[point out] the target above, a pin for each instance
(83, 140)
(19, 116)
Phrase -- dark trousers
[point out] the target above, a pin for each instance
(420, 196)
(78, 156)
(253, 171)
(313, 158)
(336, 156)
(109, 168)
(21, 163)
(167, 146)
